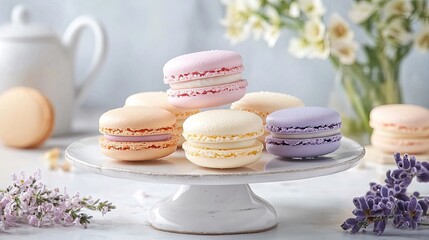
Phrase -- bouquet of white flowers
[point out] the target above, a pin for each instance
(368, 82)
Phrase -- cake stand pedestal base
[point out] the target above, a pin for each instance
(218, 209)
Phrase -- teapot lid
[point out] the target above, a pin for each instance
(21, 28)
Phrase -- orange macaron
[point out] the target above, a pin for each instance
(138, 133)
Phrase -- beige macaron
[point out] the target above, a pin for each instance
(26, 118)
(160, 100)
(264, 103)
(137, 133)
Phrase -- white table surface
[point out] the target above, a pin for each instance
(307, 209)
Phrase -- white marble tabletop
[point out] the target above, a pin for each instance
(307, 209)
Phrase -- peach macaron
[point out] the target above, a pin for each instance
(27, 118)
(400, 128)
(160, 100)
(137, 133)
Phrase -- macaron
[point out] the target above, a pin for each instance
(26, 118)
(223, 138)
(160, 100)
(400, 128)
(303, 132)
(137, 133)
(205, 79)
(264, 103)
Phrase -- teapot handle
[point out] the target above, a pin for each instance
(71, 38)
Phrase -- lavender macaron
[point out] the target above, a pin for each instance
(303, 132)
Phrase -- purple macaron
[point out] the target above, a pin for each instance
(303, 132)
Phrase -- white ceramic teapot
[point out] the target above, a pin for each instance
(34, 56)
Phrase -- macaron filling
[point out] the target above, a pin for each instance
(218, 89)
(147, 138)
(299, 130)
(303, 141)
(202, 74)
(224, 145)
(306, 135)
(207, 82)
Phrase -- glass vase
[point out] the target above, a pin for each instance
(355, 97)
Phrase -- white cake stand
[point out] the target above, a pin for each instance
(213, 201)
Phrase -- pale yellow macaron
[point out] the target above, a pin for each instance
(137, 133)
(26, 118)
(264, 103)
(400, 128)
(223, 138)
(160, 100)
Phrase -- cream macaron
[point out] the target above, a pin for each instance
(137, 133)
(400, 128)
(160, 100)
(265, 103)
(223, 138)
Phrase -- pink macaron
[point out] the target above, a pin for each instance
(205, 79)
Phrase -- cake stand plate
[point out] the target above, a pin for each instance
(211, 201)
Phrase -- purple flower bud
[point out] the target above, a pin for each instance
(424, 205)
(412, 204)
(363, 204)
(384, 191)
(379, 227)
(425, 165)
(397, 157)
(423, 177)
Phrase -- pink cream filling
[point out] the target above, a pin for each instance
(148, 138)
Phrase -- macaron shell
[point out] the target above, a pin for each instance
(159, 100)
(26, 118)
(303, 120)
(138, 151)
(212, 158)
(401, 118)
(137, 121)
(207, 97)
(222, 125)
(202, 65)
(264, 103)
(391, 144)
(301, 148)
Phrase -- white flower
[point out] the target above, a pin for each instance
(272, 27)
(361, 11)
(242, 5)
(271, 35)
(294, 10)
(345, 50)
(396, 32)
(320, 49)
(314, 30)
(422, 39)
(339, 29)
(298, 47)
(273, 15)
(235, 23)
(301, 48)
(312, 8)
(399, 7)
(257, 25)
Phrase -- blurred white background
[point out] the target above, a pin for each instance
(144, 34)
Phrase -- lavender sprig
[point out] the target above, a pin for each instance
(29, 200)
(391, 200)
